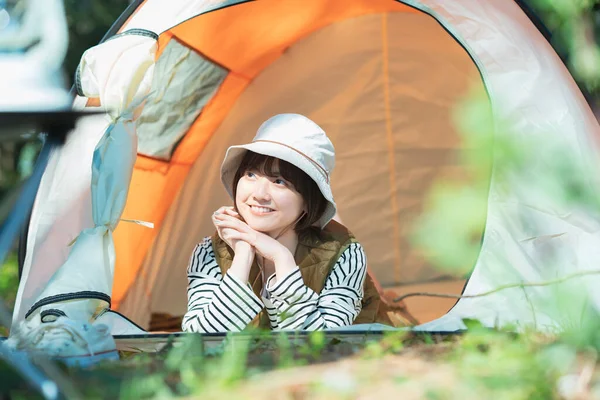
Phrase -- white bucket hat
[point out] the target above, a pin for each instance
(297, 140)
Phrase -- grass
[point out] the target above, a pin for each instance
(481, 364)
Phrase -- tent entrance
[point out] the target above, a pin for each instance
(383, 86)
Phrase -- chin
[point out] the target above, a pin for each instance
(261, 227)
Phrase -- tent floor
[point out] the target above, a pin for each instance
(426, 309)
(156, 341)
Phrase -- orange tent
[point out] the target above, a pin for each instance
(318, 59)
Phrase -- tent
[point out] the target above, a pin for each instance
(186, 79)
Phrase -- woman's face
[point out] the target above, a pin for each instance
(268, 204)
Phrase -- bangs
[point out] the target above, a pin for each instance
(272, 167)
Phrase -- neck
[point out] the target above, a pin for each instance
(289, 239)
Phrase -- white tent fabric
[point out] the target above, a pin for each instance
(532, 93)
(62, 209)
(89, 268)
(159, 16)
(122, 85)
(530, 90)
(118, 72)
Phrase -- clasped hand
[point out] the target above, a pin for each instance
(236, 233)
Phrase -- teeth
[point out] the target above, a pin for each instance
(261, 209)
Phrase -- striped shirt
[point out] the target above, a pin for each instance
(218, 303)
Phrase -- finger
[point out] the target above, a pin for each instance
(224, 214)
(232, 212)
(220, 232)
(225, 217)
(230, 229)
(221, 210)
(228, 233)
(228, 224)
(246, 236)
(237, 235)
(215, 222)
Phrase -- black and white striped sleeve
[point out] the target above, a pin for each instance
(300, 308)
(216, 303)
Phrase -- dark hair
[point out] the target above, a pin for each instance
(303, 184)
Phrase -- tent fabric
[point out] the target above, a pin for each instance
(121, 85)
(252, 50)
(407, 64)
(62, 209)
(347, 92)
(109, 68)
(88, 271)
(183, 83)
(533, 94)
(158, 16)
(119, 324)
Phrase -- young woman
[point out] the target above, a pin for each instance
(277, 260)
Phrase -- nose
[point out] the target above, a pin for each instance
(261, 190)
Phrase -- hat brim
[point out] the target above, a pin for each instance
(235, 154)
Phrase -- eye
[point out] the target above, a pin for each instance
(280, 181)
(249, 174)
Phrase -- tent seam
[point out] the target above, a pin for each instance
(390, 142)
(446, 25)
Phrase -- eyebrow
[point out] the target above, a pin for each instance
(271, 174)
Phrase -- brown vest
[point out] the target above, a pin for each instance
(316, 255)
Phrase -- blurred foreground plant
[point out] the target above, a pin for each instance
(190, 368)
(505, 365)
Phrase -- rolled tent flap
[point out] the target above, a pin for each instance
(82, 286)
(112, 70)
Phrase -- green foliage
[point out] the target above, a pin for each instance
(574, 24)
(9, 283)
(583, 333)
(17, 159)
(314, 346)
(391, 343)
(9, 280)
(487, 363)
(507, 365)
(285, 350)
(190, 368)
(88, 21)
(449, 231)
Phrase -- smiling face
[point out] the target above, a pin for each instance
(272, 195)
(268, 204)
(267, 201)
